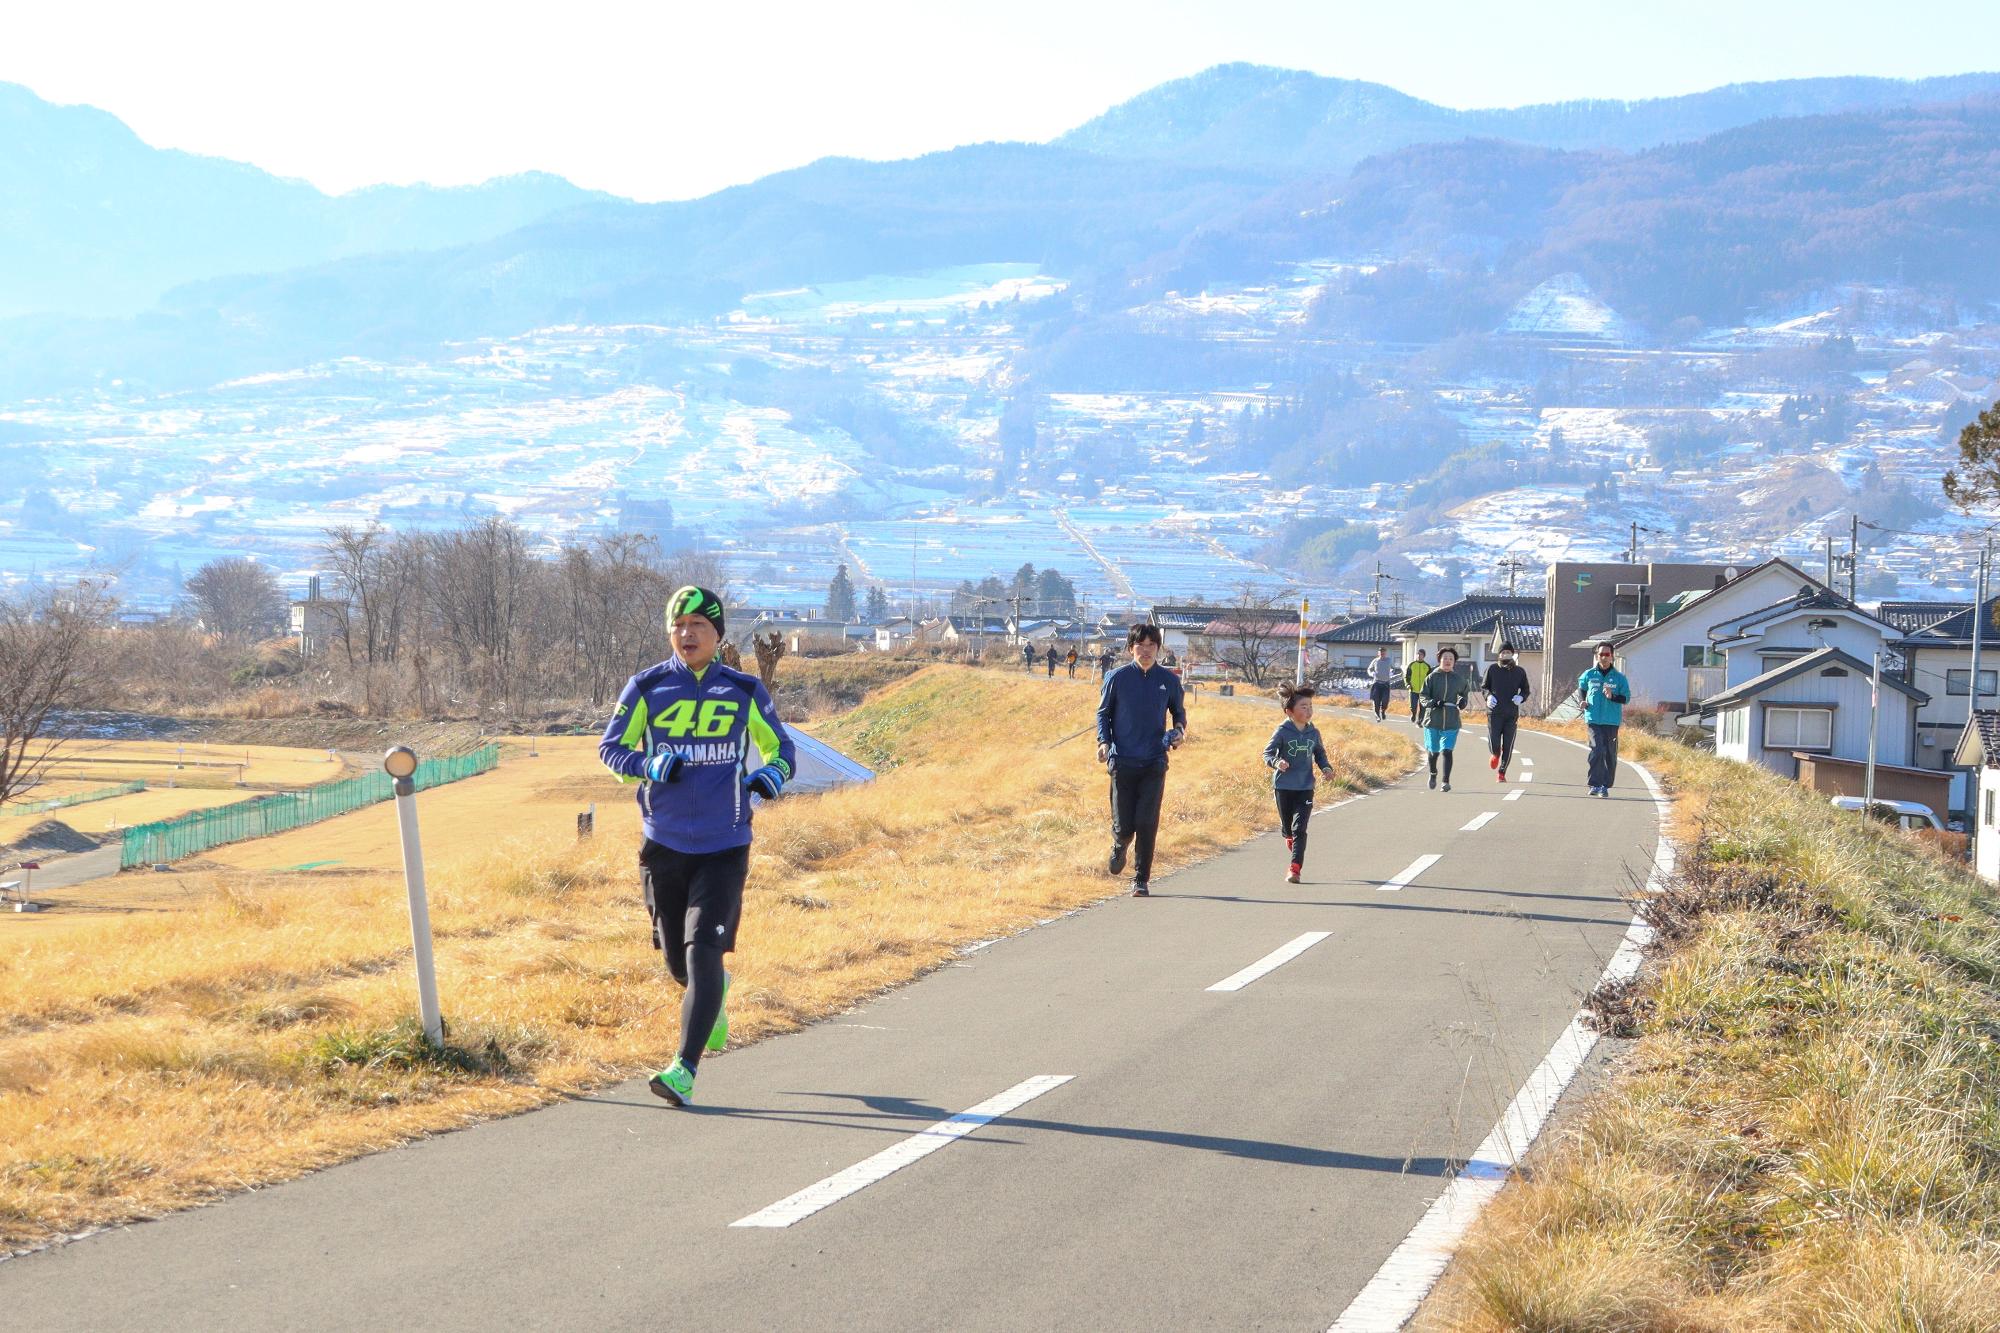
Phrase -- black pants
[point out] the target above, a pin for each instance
(1603, 756)
(1379, 694)
(695, 901)
(1500, 732)
(1416, 705)
(1135, 812)
(1295, 811)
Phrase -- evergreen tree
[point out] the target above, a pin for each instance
(840, 596)
(878, 604)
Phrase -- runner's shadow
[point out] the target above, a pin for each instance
(1256, 1150)
(1399, 907)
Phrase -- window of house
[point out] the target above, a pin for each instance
(1798, 728)
(1956, 681)
(1734, 725)
(1700, 655)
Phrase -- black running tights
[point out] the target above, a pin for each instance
(702, 1004)
(1446, 756)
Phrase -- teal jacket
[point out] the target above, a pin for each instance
(1605, 694)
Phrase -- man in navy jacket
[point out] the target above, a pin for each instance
(1133, 738)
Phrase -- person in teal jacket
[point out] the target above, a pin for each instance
(1605, 693)
(1443, 695)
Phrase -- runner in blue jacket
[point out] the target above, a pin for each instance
(702, 739)
(1133, 738)
(1605, 693)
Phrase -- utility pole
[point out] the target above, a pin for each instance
(1829, 559)
(1874, 716)
(1972, 693)
(1632, 551)
(1513, 565)
(1854, 563)
(1375, 597)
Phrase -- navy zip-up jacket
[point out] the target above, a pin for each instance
(1132, 713)
(723, 726)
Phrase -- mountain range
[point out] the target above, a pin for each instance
(1681, 208)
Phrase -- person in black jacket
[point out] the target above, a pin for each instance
(1506, 689)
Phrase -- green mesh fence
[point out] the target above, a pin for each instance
(173, 839)
(79, 798)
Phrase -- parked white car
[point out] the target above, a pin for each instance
(1910, 815)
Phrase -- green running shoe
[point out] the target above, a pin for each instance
(719, 1038)
(675, 1083)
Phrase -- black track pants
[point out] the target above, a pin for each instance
(1500, 732)
(1135, 812)
(1295, 811)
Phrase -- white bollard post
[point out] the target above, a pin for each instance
(401, 764)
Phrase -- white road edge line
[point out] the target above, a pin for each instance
(1480, 821)
(1391, 1298)
(1410, 872)
(899, 1155)
(1513, 796)
(1272, 961)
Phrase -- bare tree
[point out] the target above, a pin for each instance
(1256, 634)
(49, 661)
(236, 597)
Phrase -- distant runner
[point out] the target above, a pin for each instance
(1028, 657)
(1506, 689)
(1444, 694)
(1133, 739)
(1105, 661)
(1071, 660)
(1382, 677)
(1053, 659)
(701, 739)
(1414, 676)
(1605, 693)
(1293, 751)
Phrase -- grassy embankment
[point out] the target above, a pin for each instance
(1806, 1135)
(153, 1061)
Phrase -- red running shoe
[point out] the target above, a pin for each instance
(1293, 876)
(1493, 761)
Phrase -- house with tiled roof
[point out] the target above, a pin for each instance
(1915, 617)
(1469, 627)
(1938, 660)
(1354, 643)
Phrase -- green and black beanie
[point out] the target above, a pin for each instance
(693, 601)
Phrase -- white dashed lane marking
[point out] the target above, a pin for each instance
(1271, 961)
(1410, 872)
(899, 1155)
(1478, 822)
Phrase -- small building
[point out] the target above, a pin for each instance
(1178, 621)
(1979, 750)
(318, 622)
(1350, 647)
(897, 633)
(1814, 705)
(1472, 627)
(1938, 660)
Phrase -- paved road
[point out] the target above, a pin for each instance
(75, 868)
(1217, 1159)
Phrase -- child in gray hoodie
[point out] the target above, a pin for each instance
(1293, 751)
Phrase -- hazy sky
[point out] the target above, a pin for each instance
(671, 99)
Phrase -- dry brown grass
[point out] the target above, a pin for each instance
(151, 1062)
(1806, 1135)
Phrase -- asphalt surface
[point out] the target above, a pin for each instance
(1217, 1159)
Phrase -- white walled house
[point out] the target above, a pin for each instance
(1817, 705)
(1471, 626)
(1938, 660)
(1674, 661)
(1768, 638)
(1979, 749)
